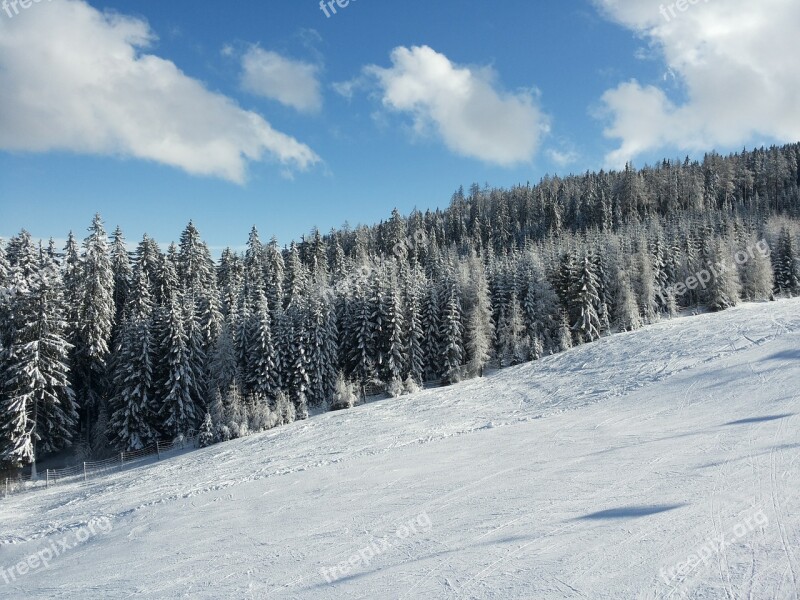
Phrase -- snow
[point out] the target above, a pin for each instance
(596, 473)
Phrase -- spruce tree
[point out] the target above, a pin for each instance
(451, 334)
(262, 366)
(37, 407)
(586, 303)
(415, 350)
(133, 422)
(480, 329)
(755, 272)
(95, 321)
(785, 263)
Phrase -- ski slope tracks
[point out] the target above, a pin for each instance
(659, 464)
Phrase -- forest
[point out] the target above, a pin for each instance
(106, 346)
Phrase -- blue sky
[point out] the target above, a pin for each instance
(272, 114)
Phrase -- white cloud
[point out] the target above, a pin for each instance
(736, 62)
(73, 78)
(472, 117)
(562, 158)
(290, 82)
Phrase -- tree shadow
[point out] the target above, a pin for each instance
(712, 465)
(759, 419)
(785, 355)
(629, 512)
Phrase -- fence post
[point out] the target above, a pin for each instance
(121, 460)
(158, 452)
(6, 487)
(46, 478)
(84, 472)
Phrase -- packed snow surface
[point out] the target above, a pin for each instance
(658, 464)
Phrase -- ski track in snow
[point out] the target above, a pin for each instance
(585, 475)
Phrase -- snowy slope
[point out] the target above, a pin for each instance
(599, 473)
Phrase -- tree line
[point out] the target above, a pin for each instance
(110, 348)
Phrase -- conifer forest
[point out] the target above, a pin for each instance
(109, 344)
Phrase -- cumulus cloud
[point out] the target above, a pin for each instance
(462, 105)
(735, 61)
(73, 78)
(562, 158)
(290, 82)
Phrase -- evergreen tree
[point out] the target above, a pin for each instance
(415, 349)
(755, 272)
(95, 321)
(206, 437)
(133, 420)
(178, 412)
(451, 334)
(627, 316)
(586, 303)
(262, 366)
(724, 288)
(323, 350)
(37, 408)
(396, 358)
(541, 311)
(514, 344)
(121, 267)
(480, 329)
(431, 323)
(785, 263)
(224, 370)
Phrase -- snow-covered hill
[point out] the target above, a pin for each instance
(658, 464)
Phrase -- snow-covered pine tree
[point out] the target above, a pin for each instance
(37, 407)
(178, 412)
(645, 284)
(360, 324)
(95, 323)
(395, 334)
(71, 276)
(297, 276)
(415, 350)
(627, 316)
(254, 266)
(197, 352)
(198, 282)
(132, 406)
(121, 267)
(299, 353)
(284, 409)
(273, 276)
(541, 309)
(724, 288)
(262, 365)
(600, 261)
(786, 265)
(586, 303)
(514, 343)
(206, 436)
(431, 322)
(323, 349)
(451, 333)
(480, 328)
(230, 277)
(755, 271)
(223, 367)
